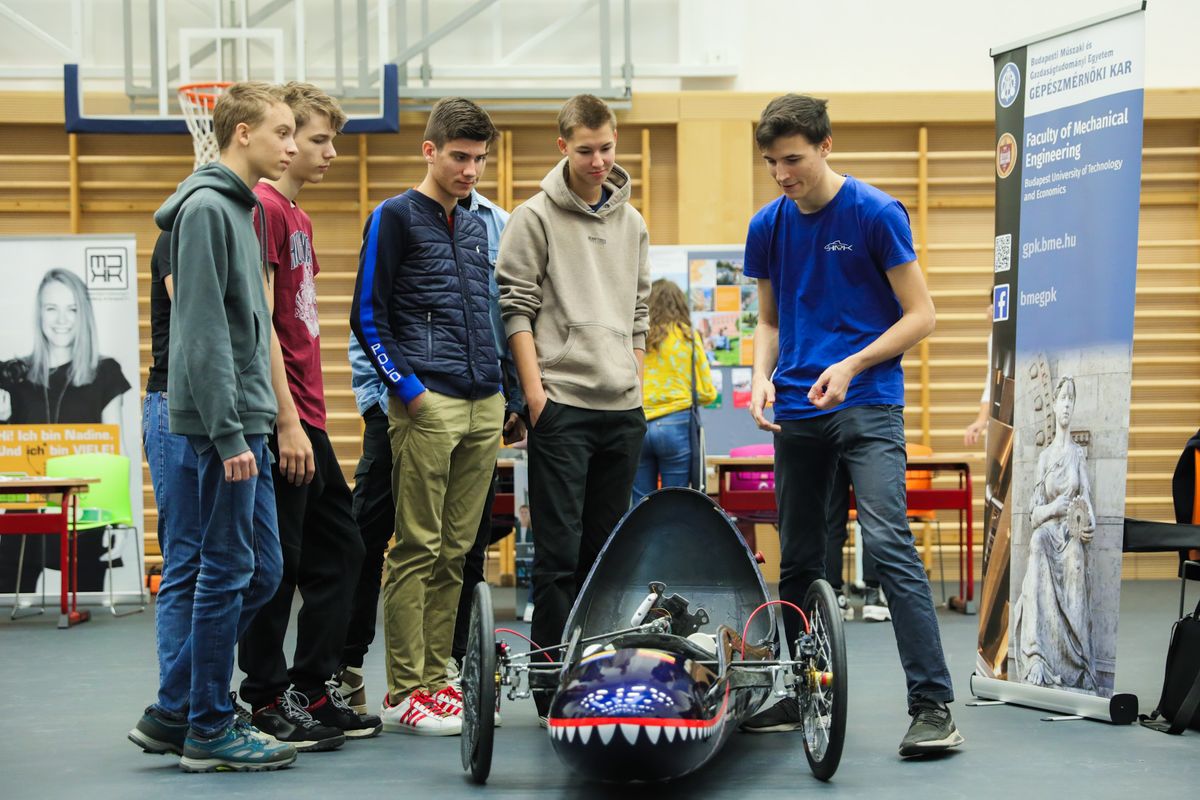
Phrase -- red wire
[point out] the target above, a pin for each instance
(792, 606)
(536, 646)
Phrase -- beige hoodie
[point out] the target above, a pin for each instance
(578, 280)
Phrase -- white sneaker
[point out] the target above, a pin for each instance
(450, 700)
(419, 714)
(875, 606)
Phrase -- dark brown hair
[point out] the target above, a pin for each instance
(792, 114)
(458, 118)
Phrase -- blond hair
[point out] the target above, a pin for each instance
(587, 110)
(307, 100)
(246, 102)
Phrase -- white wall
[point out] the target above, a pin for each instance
(927, 45)
(749, 45)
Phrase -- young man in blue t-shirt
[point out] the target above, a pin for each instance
(841, 298)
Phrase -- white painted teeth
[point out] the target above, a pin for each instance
(629, 732)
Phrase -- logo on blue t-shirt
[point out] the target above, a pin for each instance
(1000, 303)
(1008, 85)
(837, 245)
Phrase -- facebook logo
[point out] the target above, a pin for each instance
(1000, 303)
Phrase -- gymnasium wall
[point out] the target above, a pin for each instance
(698, 178)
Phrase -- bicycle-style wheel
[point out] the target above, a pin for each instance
(479, 687)
(823, 701)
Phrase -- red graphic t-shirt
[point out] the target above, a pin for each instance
(294, 266)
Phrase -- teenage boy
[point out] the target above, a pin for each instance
(220, 397)
(574, 277)
(321, 547)
(374, 510)
(421, 312)
(842, 298)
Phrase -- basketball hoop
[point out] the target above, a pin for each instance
(197, 101)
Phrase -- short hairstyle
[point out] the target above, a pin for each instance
(84, 357)
(459, 118)
(587, 110)
(792, 114)
(307, 100)
(246, 102)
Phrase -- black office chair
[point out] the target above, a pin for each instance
(1183, 536)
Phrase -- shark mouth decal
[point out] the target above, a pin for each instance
(653, 731)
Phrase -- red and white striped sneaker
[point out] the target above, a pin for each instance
(451, 701)
(419, 714)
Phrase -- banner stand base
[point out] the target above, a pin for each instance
(1120, 709)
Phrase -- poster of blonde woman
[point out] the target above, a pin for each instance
(69, 384)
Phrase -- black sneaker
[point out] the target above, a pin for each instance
(240, 712)
(331, 710)
(932, 730)
(157, 733)
(783, 716)
(285, 720)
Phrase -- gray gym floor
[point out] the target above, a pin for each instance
(70, 696)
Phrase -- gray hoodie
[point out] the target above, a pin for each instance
(219, 385)
(578, 280)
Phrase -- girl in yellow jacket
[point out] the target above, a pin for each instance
(672, 347)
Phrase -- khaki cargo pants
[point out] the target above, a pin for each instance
(442, 461)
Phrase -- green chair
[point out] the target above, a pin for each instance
(105, 504)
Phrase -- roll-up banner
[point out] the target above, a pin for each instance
(69, 384)
(1068, 175)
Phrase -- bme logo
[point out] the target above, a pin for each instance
(106, 268)
(837, 245)
(1000, 303)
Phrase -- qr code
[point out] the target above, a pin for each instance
(1003, 252)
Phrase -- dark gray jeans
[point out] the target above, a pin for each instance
(869, 442)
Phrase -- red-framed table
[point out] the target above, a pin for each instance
(762, 501)
(50, 522)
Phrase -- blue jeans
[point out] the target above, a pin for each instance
(240, 569)
(665, 451)
(173, 473)
(869, 441)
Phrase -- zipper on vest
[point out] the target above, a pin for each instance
(466, 301)
(429, 336)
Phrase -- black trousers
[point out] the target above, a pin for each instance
(375, 515)
(837, 517)
(473, 570)
(322, 554)
(581, 469)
